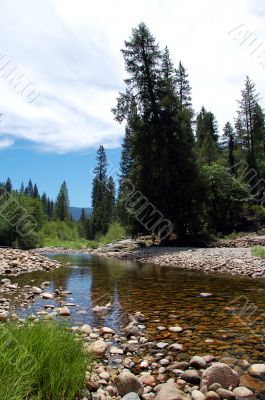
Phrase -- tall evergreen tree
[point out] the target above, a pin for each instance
(183, 87)
(22, 188)
(229, 144)
(29, 189)
(36, 192)
(8, 185)
(250, 123)
(206, 137)
(102, 213)
(82, 216)
(61, 210)
(158, 134)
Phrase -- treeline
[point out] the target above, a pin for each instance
(24, 212)
(202, 181)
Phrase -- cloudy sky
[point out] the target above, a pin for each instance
(68, 53)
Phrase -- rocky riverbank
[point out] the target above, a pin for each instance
(232, 260)
(14, 262)
(132, 368)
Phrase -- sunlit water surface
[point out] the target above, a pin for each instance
(231, 322)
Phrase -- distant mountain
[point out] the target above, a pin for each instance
(76, 212)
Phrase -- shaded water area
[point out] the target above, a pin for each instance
(231, 322)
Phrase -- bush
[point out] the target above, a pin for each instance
(115, 232)
(258, 251)
(42, 361)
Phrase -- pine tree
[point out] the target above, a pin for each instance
(183, 87)
(8, 185)
(29, 189)
(61, 210)
(229, 144)
(22, 188)
(250, 123)
(206, 137)
(101, 215)
(36, 192)
(158, 135)
(82, 216)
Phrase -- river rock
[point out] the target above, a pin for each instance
(191, 376)
(252, 383)
(147, 380)
(222, 374)
(197, 395)
(64, 311)
(116, 350)
(175, 329)
(198, 362)
(131, 396)
(211, 395)
(175, 347)
(106, 330)
(170, 391)
(98, 348)
(242, 392)
(36, 290)
(127, 382)
(3, 315)
(86, 329)
(225, 394)
(257, 370)
(47, 296)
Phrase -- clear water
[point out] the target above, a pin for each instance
(231, 322)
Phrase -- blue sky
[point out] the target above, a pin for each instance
(61, 70)
(48, 170)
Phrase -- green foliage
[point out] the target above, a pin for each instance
(61, 211)
(60, 230)
(258, 251)
(41, 361)
(157, 158)
(103, 198)
(115, 232)
(21, 218)
(225, 196)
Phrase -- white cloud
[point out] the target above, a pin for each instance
(5, 142)
(70, 49)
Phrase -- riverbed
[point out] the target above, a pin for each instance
(219, 314)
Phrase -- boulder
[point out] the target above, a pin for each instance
(198, 362)
(86, 329)
(170, 391)
(98, 348)
(222, 374)
(127, 382)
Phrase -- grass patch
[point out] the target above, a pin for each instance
(258, 251)
(42, 361)
(68, 244)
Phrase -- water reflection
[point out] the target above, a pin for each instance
(167, 297)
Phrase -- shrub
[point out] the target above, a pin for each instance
(258, 251)
(115, 232)
(42, 361)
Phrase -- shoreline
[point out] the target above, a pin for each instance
(230, 260)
